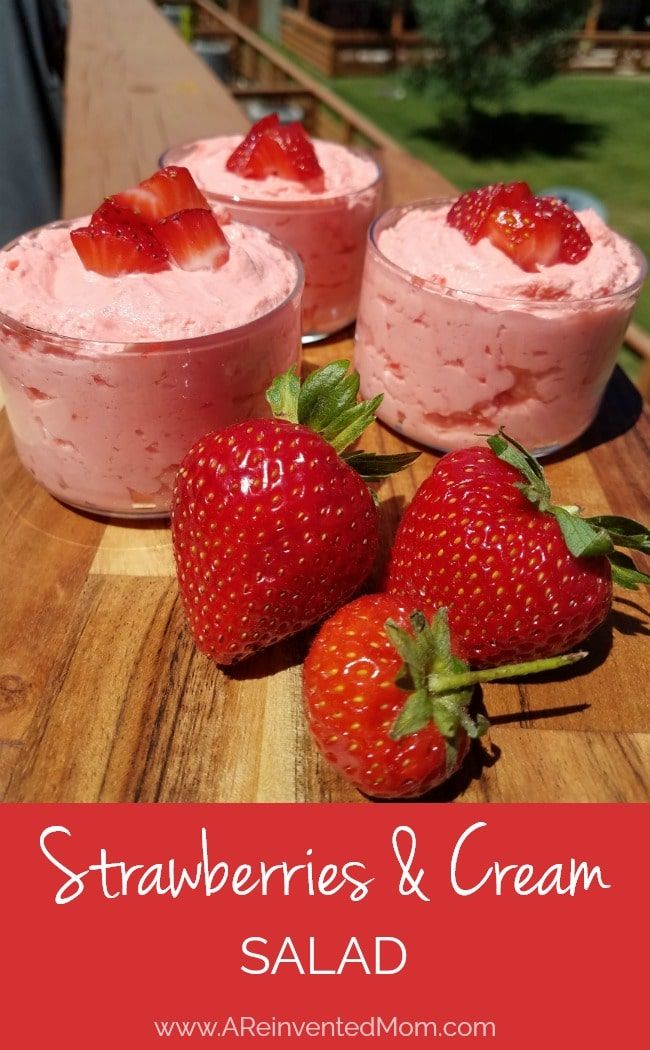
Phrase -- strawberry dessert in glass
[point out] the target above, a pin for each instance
(125, 338)
(498, 309)
(319, 197)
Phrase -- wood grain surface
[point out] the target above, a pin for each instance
(102, 693)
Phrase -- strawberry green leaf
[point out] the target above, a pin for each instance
(446, 714)
(327, 404)
(373, 467)
(625, 572)
(404, 679)
(336, 400)
(282, 396)
(506, 448)
(418, 622)
(534, 487)
(408, 647)
(348, 425)
(444, 662)
(317, 387)
(476, 729)
(623, 532)
(582, 539)
(415, 715)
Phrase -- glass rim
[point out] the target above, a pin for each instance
(396, 212)
(132, 347)
(289, 202)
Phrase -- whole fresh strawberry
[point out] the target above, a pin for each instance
(521, 577)
(273, 524)
(388, 705)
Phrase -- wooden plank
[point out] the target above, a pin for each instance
(410, 179)
(136, 549)
(133, 89)
(558, 766)
(46, 553)
(104, 693)
(8, 754)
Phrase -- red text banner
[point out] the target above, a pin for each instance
(145, 926)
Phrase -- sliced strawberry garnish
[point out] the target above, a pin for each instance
(268, 157)
(168, 191)
(301, 156)
(533, 231)
(194, 239)
(527, 237)
(470, 213)
(238, 159)
(285, 150)
(111, 214)
(540, 232)
(113, 249)
(576, 242)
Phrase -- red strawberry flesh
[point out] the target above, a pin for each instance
(532, 231)
(120, 238)
(112, 214)
(531, 236)
(283, 150)
(471, 211)
(575, 242)
(194, 239)
(170, 190)
(117, 243)
(238, 159)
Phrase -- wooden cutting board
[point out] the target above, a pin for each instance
(104, 697)
(102, 693)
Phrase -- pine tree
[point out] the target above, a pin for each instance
(481, 50)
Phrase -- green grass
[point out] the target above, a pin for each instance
(586, 131)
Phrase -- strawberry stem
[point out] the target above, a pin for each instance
(440, 685)
(448, 683)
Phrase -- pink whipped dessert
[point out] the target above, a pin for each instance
(325, 222)
(461, 340)
(109, 380)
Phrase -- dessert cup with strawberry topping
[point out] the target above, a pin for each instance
(319, 197)
(497, 309)
(122, 340)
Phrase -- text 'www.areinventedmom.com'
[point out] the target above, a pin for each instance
(370, 1028)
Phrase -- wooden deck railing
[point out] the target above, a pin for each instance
(605, 52)
(336, 52)
(261, 71)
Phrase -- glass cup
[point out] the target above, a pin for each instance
(329, 234)
(104, 425)
(453, 364)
